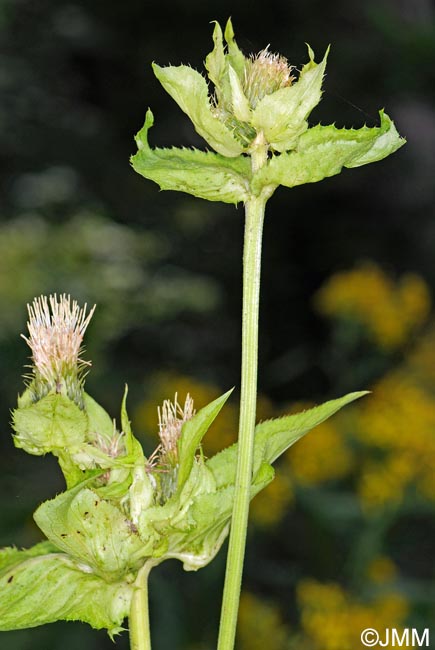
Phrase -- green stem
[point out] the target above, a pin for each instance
(139, 622)
(248, 400)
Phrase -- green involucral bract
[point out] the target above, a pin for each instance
(257, 104)
(114, 517)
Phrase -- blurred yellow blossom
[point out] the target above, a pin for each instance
(390, 311)
(321, 456)
(382, 570)
(260, 625)
(398, 421)
(270, 505)
(333, 620)
(421, 359)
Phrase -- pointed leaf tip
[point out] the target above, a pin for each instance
(192, 433)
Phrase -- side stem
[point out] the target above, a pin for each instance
(139, 621)
(248, 401)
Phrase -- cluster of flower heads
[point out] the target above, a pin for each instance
(56, 329)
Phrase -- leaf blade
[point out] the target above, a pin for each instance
(323, 151)
(192, 433)
(190, 90)
(206, 175)
(40, 586)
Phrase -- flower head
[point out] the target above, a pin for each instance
(253, 109)
(171, 419)
(265, 73)
(56, 329)
(255, 97)
(165, 459)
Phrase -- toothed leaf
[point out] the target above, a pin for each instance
(324, 150)
(282, 115)
(190, 90)
(206, 175)
(273, 437)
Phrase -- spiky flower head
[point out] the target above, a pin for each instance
(256, 101)
(56, 329)
(172, 416)
(264, 74)
(164, 460)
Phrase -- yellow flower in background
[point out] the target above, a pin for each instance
(384, 483)
(260, 625)
(421, 359)
(399, 422)
(332, 619)
(382, 570)
(390, 311)
(322, 456)
(400, 414)
(270, 505)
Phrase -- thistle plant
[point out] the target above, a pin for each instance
(122, 513)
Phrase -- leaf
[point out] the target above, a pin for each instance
(323, 151)
(189, 89)
(42, 585)
(273, 437)
(192, 433)
(215, 60)
(211, 513)
(140, 489)
(92, 530)
(53, 423)
(239, 102)
(282, 115)
(99, 420)
(204, 174)
(235, 56)
(387, 142)
(132, 445)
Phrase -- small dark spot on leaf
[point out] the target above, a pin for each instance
(86, 513)
(63, 535)
(96, 503)
(10, 579)
(79, 532)
(132, 526)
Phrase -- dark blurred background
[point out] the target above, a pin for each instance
(345, 536)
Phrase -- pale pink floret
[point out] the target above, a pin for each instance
(56, 329)
(172, 416)
(171, 419)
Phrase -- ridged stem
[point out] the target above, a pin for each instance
(248, 401)
(139, 621)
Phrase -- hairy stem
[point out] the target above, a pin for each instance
(248, 401)
(139, 622)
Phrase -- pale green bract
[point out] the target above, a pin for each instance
(111, 520)
(240, 117)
